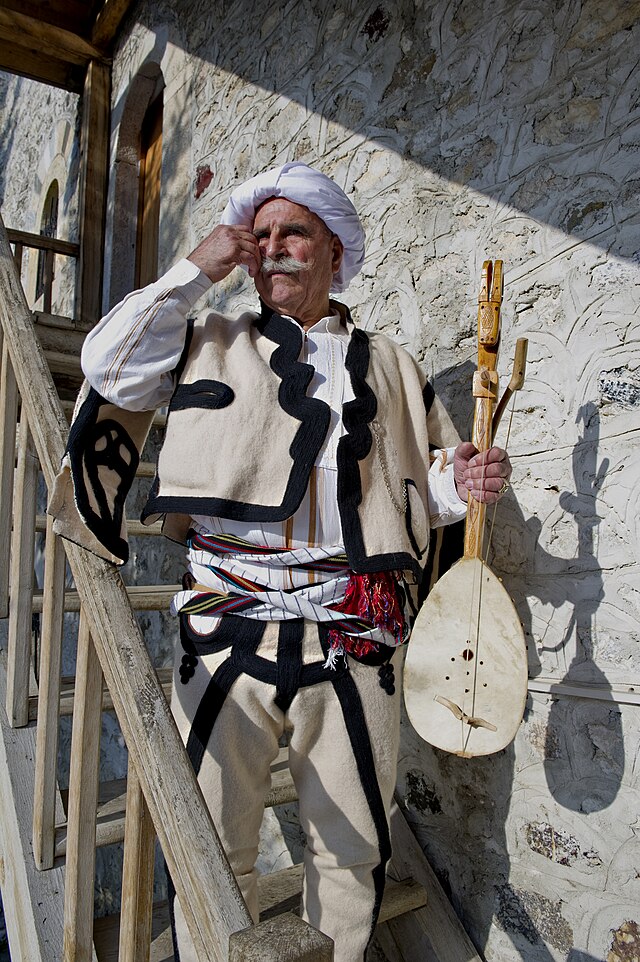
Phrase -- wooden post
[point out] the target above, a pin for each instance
(283, 939)
(48, 281)
(22, 551)
(46, 788)
(17, 256)
(94, 149)
(83, 803)
(137, 876)
(8, 417)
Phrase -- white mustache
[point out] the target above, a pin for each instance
(284, 265)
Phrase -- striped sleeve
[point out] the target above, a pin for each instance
(130, 355)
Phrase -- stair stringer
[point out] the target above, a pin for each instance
(430, 934)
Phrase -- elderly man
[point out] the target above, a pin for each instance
(304, 464)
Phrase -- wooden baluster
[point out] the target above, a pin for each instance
(18, 249)
(48, 281)
(22, 551)
(46, 788)
(8, 418)
(83, 803)
(137, 876)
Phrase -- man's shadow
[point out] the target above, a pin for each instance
(583, 770)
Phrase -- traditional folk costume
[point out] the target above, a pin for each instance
(296, 468)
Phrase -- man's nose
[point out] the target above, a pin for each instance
(274, 246)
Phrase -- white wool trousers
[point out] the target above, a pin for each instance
(237, 693)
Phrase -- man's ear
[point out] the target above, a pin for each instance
(336, 253)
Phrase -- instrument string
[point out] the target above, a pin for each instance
(495, 507)
(474, 631)
(477, 589)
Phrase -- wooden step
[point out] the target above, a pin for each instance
(62, 323)
(142, 598)
(278, 892)
(112, 798)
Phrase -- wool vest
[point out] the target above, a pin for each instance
(242, 437)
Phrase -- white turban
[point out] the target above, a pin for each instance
(304, 185)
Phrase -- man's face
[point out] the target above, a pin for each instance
(284, 229)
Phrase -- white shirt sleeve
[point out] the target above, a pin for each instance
(445, 505)
(130, 355)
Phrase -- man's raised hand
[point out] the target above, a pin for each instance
(224, 248)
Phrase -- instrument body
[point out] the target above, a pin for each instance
(465, 675)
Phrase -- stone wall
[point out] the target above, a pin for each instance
(465, 130)
(39, 144)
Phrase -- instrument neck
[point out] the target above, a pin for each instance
(485, 391)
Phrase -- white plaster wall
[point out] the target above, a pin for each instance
(464, 130)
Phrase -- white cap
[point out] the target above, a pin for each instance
(304, 185)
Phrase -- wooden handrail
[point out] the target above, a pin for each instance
(205, 885)
(43, 243)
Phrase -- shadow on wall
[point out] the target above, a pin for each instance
(581, 776)
(534, 105)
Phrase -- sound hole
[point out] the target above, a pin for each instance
(467, 654)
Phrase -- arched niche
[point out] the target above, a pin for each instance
(136, 176)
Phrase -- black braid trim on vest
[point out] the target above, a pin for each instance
(93, 445)
(314, 416)
(205, 393)
(354, 446)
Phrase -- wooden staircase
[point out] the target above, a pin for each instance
(48, 838)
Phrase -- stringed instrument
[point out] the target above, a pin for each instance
(465, 675)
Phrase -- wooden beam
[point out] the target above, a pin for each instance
(108, 21)
(8, 420)
(284, 939)
(74, 15)
(46, 785)
(137, 877)
(27, 63)
(94, 148)
(21, 583)
(83, 801)
(45, 39)
(42, 243)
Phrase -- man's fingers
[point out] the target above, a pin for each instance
(487, 475)
(492, 456)
(226, 247)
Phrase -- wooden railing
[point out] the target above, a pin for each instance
(48, 247)
(163, 797)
